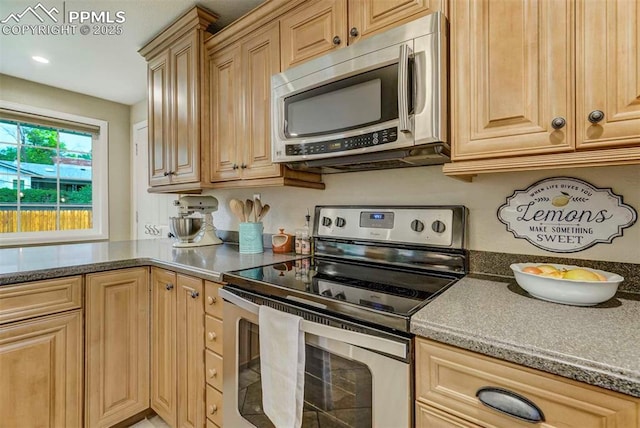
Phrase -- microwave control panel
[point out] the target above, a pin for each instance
(384, 136)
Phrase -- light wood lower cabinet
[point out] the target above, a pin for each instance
(41, 372)
(447, 379)
(177, 348)
(213, 353)
(117, 345)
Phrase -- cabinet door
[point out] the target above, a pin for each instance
(159, 107)
(260, 59)
(311, 30)
(41, 372)
(117, 345)
(185, 122)
(511, 71)
(225, 113)
(369, 17)
(608, 72)
(190, 345)
(163, 349)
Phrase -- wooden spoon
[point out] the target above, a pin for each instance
(237, 208)
(263, 212)
(248, 209)
(257, 208)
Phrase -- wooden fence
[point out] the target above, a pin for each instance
(44, 220)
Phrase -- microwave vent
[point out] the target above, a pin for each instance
(433, 154)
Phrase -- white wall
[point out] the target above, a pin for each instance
(37, 95)
(427, 185)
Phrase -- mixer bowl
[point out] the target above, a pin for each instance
(185, 228)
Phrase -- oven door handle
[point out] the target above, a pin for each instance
(377, 344)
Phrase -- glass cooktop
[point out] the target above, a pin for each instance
(359, 291)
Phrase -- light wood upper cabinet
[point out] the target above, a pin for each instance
(240, 106)
(511, 75)
(175, 72)
(41, 372)
(527, 75)
(117, 345)
(319, 26)
(177, 348)
(447, 379)
(608, 72)
(312, 30)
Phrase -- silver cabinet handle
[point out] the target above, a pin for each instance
(510, 403)
(558, 122)
(596, 116)
(403, 83)
(336, 40)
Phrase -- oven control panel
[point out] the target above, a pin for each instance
(441, 226)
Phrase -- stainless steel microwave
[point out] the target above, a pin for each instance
(381, 102)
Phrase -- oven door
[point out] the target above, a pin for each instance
(347, 382)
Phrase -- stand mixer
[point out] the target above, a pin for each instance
(194, 231)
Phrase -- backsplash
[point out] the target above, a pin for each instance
(428, 186)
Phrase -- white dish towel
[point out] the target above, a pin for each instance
(281, 366)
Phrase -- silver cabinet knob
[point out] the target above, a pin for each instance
(595, 116)
(558, 122)
(336, 40)
(194, 294)
(243, 166)
(169, 287)
(234, 166)
(353, 32)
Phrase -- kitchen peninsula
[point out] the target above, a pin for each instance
(491, 316)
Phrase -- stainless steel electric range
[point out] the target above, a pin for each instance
(373, 268)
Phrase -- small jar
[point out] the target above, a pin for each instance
(298, 241)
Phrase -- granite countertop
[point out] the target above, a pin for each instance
(52, 261)
(598, 345)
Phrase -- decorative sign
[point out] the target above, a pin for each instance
(566, 215)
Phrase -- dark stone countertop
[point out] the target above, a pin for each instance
(53, 261)
(598, 345)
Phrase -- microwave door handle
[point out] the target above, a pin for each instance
(403, 89)
(351, 337)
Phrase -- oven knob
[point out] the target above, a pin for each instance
(326, 293)
(326, 221)
(438, 226)
(340, 222)
(341, 296)
(417, 226)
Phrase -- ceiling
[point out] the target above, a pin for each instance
(104, 66)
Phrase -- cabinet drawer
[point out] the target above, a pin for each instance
(212, 302)
(213, 372)
(32, 299)
(214, 406)
(213, 334)
(448, 378)
(430, 417)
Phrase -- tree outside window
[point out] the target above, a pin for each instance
(54, 170)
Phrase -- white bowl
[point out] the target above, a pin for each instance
(567, 291)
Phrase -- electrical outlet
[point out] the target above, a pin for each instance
(256, 196)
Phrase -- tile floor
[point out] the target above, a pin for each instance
(152, 422)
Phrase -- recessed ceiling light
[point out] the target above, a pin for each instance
(40, 59)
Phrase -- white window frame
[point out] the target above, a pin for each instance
(99, 179)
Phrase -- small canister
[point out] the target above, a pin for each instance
(282, 242)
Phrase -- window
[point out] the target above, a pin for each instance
(53, 176)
